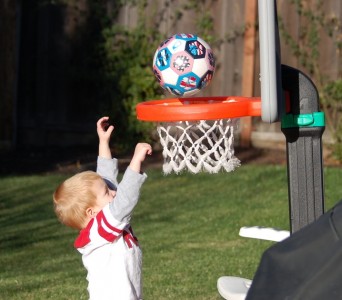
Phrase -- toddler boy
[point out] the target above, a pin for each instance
(101, 208)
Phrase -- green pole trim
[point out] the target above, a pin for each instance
(315, 119)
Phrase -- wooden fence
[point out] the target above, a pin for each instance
(44, 111)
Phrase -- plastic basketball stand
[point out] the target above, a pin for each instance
(231, 287)
(302, 125)
(303, 128)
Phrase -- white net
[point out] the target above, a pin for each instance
(198, 146)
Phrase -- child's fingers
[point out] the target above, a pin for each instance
(109, 128)
(101, 120)
(104, 124)
(147, 148)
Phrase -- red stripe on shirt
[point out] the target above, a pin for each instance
(84, 236)
(109, 236)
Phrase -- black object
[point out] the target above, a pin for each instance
(304, 149)
(307, 265)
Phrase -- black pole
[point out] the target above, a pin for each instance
(303, 127)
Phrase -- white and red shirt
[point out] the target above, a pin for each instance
(110, 251)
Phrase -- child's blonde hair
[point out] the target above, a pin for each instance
(73, 197)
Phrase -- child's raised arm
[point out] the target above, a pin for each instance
(141, 150)
(104, 134)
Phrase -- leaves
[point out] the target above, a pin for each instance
(314, 22)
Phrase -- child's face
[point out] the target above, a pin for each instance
(104, 195)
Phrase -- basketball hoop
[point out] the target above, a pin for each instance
(197, 134)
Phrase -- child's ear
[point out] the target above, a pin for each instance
(90, 212)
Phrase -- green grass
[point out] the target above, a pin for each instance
(187, 225)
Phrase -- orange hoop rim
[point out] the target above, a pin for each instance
(198, 108)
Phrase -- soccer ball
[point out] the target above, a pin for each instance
(184, 64)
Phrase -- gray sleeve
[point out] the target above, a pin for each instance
(108, 170)
(127, 195)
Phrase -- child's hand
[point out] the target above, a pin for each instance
(141, 150)
(104, 130)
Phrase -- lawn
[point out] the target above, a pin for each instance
(187, 225)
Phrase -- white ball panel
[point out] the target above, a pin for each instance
(200, 67)
(169, 76)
